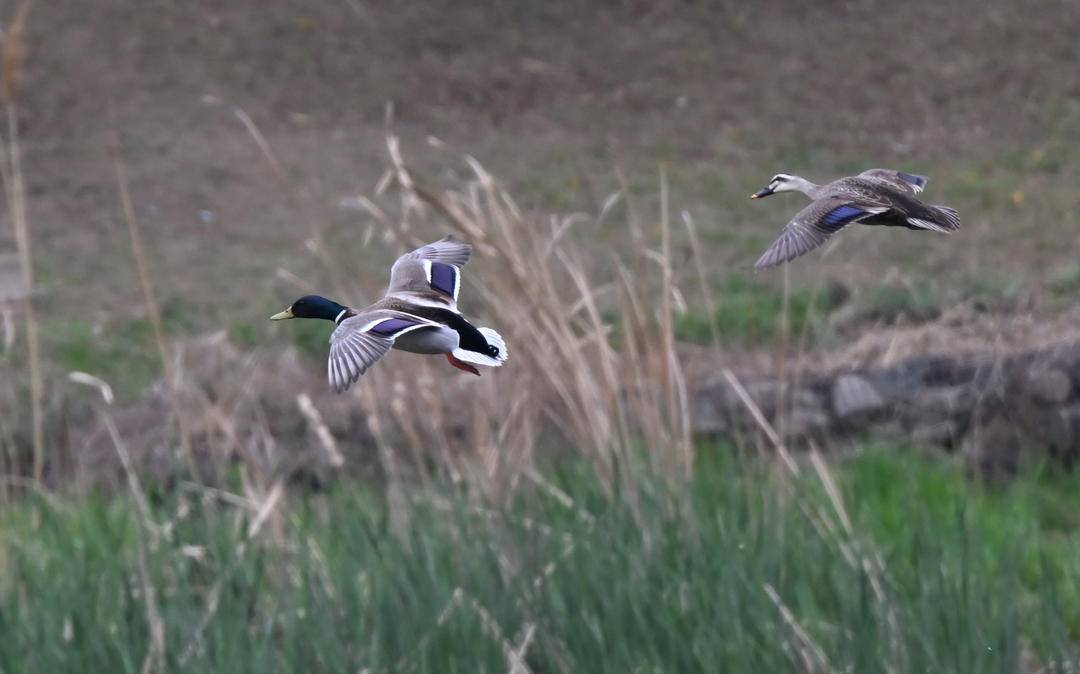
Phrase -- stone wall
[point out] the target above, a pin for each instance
(991, 408)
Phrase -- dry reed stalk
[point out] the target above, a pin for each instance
(299, 203)
(9, 329)
(155, 654)
(607, 398)
(14, 53)
(529, 286)
(367, 392)
(14, 186)
(264, 509)
(460, 601)
(515, 657)
(678, 421)
(703, 279)
(762, 422)
(872, 564)
(138, 252)
(326, 438)
(781, 361)
(812, 655)
(665, 313)
(407, 423)
(153, 310)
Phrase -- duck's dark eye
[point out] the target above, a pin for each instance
(493, 351)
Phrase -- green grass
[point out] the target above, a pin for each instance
(976, 579)
(121, 350)
(917, 302)
(748, 311)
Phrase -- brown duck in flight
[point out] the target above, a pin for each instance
(874, 197)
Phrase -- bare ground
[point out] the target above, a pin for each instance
(553, 98)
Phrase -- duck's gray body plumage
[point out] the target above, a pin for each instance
(418, 313)
(874, 197)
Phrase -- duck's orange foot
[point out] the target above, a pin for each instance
(462, 365)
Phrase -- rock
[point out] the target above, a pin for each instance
(803, 422)
(940, 433)
(946, 402)
(709, 415)
(1048, 385)
(12, 286)
(853, 395)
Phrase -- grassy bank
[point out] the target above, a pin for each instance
(745, 571)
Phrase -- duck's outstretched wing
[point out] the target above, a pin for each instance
(361, 340)
(906, 182)
(812, 226)
(431, 272)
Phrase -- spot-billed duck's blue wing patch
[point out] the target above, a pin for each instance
(916, 180)
(840, 216)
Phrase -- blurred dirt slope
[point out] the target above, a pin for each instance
(549, 95)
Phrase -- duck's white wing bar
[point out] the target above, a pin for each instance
(435, 266)
(442, 277)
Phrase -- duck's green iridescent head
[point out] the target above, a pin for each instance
(311, 306)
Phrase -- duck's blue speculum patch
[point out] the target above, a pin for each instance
(443, 278)
(918, 181)
(841, 215)
(392, 326)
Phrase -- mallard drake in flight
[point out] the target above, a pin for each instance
(418, 313)
(874, 197)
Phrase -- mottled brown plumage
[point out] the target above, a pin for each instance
(874, 197)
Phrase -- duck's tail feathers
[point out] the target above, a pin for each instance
(949, 216)
(945, 220)
(493, 339)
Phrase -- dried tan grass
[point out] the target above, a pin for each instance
(14, 187)
(958, 332)
(568, 375)
(14, 53)
(146, 532)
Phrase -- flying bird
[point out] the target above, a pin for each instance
(418, 313)
(874, 197)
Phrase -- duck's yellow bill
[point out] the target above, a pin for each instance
(283, 315)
